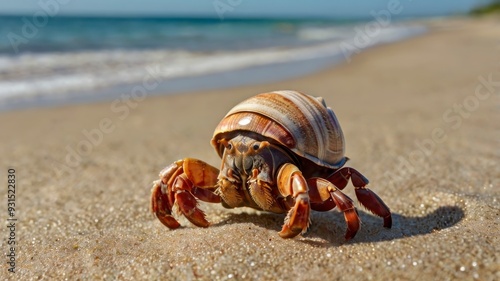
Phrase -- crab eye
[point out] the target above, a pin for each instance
(256, 146)
(229, 146)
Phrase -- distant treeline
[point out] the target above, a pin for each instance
(493, 7)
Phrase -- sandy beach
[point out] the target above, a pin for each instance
(420, 119)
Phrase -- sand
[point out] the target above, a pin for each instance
(417, 123)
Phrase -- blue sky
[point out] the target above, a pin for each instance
(265, 8)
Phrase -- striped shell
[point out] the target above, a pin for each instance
(302, 123)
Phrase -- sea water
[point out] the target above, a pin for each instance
(73, 59)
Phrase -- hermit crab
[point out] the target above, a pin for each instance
(282, 152)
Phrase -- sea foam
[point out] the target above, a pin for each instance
(61, 75)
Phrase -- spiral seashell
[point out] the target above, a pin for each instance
(299, 122)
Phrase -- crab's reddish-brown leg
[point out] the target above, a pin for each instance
(321, 200)
(366, 197)
(292, 183)
(180, 184)
(326, 196)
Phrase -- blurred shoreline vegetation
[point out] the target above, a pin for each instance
(492, 8)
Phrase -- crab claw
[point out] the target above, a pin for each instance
(292, 183)
(297, 219)
(187, 203)
(180, 184)
(161, 207)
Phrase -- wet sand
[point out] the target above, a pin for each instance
(420, 120)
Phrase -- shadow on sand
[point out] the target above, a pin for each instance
(330, 226)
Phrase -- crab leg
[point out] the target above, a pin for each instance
(180, 184)
(366, 197)
(292, 183)
(321, 190)
(321, 200)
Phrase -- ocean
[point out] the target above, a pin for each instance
(76, 59)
